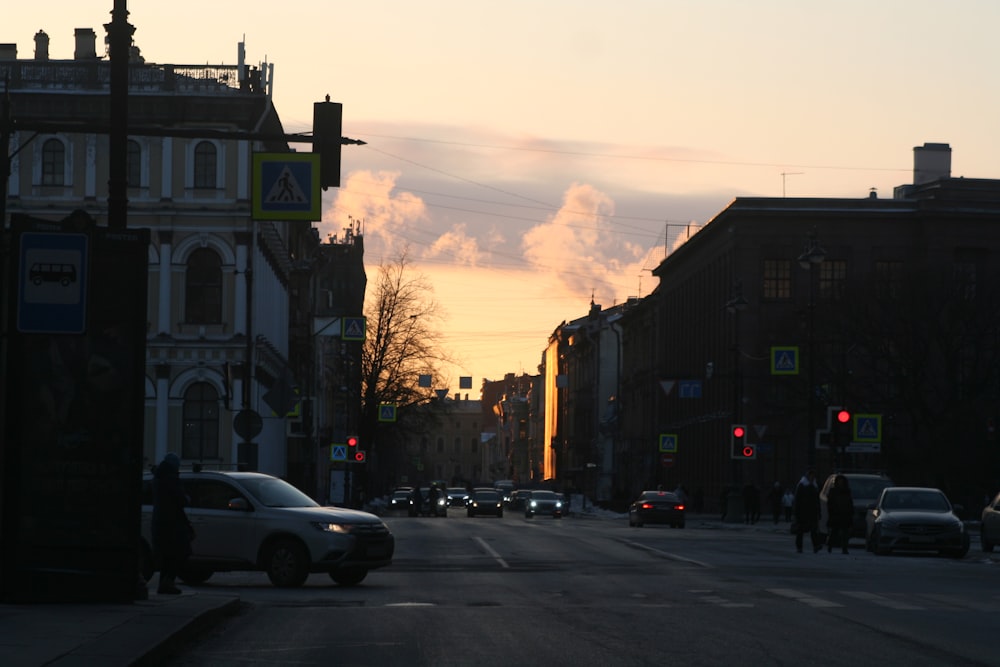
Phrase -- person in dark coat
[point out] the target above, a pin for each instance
(807, 511)
(840, 513)
(172, 532)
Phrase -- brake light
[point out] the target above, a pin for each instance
(679, 507)
(647, 506)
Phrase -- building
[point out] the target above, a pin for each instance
(231, 300)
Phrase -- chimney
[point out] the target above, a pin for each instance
(41, 45)
(86, 44)
(931, 162)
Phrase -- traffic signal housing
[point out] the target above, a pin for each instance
(352, 442)
(739, 448)
(328, 119)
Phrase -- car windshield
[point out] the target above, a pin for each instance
(868, 488)
(543, 495)
(486, 495)
(273, 492)
(928, 501)
(658, 495)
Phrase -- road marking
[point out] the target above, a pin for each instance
(488, 549)
(667, 554)
(881, 600)
(804, 598)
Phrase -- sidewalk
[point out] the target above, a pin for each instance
(81, 634)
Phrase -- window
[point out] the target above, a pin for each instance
(200, 437)
(473, 445)
(204, 165)
(832, 279)
(888, 279)
(458, 445)
(203, 288)
(777, 279)
(133, 164)
(53, 162)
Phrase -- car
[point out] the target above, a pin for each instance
(399, 501)
(865, 491)
(989, 528)
(548, 503)
(251, 521)
(517, 498)
(506, 488)
(438, 508)
(915, 518)
(657, 507)
(485, 501)
(457, 496)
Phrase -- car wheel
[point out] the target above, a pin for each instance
(349, 576)
(985, 543)
(287, 564)
(195, 575)
(878, 548)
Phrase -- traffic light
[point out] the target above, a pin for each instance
(352, 442)
(327, 127)
(737, 440)
(843, 416)
(359, 456)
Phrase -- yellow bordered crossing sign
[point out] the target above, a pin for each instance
(286, 186)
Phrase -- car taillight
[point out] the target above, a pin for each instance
(678, 507)
(647, 506)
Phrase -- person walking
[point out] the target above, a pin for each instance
(788, 502)
(751, 502)
(840, 514)
(774, 496)
(172, 532)
(807, 511)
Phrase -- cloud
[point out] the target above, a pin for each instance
(391, 218)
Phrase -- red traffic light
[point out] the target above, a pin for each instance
(843, 416)
(749, 452)
(352, 441)
(359, 456)
(739, 431)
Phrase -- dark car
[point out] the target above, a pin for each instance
(457, 496)
(517, 499)
(485, 502)
(916, 518)
(437, 507)
(548, 503)
(989, 529)
(657, 507)
(399, 501)
(865, 491)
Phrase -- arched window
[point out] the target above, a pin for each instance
(53, 162)
(133, 162)
(200, 438)
(203, 288)
(204, 165)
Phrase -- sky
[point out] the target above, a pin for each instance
(533, 155)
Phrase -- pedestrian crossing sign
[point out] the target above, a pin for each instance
(668, 443)
(338, 453)
(286, 186)
(868, 428)
(352, 328)
(386, 412)
(785, 360)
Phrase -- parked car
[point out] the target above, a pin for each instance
(989, 529)
(457, 496)
(865, 491)
(657, 507)
(255, 522)
(915, 518)
(485, 501)
(548, 503)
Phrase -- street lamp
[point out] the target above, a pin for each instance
(812, 255)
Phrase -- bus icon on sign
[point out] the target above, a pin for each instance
(43, 272)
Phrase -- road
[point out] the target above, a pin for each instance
(582, 592)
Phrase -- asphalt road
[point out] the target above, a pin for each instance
(513, 592)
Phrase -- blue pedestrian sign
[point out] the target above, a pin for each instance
(868, 428)
(785, 360)
(338, 453)
(386, 412)
(286, 186)
(668, 442)
(352, 328)
(52, 283)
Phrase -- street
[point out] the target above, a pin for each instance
(575, 591)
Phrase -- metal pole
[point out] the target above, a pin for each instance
(119, 41)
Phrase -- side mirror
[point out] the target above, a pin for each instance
(238, 505)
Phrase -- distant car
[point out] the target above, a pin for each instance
(547, 503)
(485, 501)
(457, 496)
(506, 488)
(399, 501)
(989, 529)
(247, 521)
(517, 498)
(916, 518)
(438, 508)
(657, 507)
(865, 491)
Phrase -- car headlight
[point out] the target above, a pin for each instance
(335, 527)
(558, 503)
(533, 503)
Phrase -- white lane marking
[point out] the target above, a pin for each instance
(804, 598)
(667, 554)
(488, 549)
(880, 600)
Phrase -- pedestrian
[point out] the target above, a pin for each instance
(774, 497)
(751, 502)
(417, 500)
(681, 493)
(432, 497)
(840, 514)
(806, 510)
(172, 532)
(788, 501)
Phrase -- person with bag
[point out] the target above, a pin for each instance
(807, 511)
(171, 531)
(840, 514)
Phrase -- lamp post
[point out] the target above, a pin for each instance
(812, 255)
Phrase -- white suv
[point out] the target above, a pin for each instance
(253, 521)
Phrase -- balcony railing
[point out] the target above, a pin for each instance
(96, 75)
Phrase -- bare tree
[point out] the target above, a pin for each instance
(402, 342)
